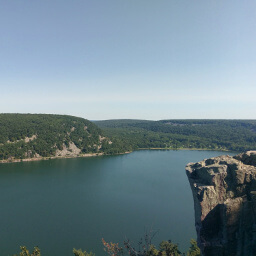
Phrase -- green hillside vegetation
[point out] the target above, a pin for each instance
(39, 135)
(235, 135)
(26, 136)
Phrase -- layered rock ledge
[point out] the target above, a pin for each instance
(224, 191)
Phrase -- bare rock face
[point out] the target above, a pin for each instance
(224, 191)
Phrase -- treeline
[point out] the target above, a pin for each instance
(32, 135)
(235, 135)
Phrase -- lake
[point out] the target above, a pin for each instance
(63, 204)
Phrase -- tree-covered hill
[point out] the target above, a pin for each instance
(25, 136)
(237, 135)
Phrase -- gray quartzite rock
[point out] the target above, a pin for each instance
(224, 191)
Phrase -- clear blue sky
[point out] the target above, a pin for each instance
(144, 59)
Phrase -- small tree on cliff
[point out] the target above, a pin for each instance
(193, 249)
(81, 253)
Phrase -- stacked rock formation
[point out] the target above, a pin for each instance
(224, 191)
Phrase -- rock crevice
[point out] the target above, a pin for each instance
(224, 192)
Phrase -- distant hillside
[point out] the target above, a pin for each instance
(37, 136)
(24, 136)
(236, 135)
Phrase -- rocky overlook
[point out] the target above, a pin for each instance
(224, 191)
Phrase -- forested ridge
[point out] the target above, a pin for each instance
(24, 136)
(236, 135)
(43, 135)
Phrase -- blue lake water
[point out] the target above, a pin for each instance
(63, 204)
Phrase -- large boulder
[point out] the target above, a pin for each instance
(224, 191)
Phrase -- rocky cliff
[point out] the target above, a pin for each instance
(224, 191)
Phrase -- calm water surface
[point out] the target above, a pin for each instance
(61, 204)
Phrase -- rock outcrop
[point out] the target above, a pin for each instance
(224, 191)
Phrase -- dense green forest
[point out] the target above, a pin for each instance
(236, 135)
(39, 135)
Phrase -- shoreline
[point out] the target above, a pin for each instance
(9, 161)
(48, 158)
(100, 154)
(174, 149)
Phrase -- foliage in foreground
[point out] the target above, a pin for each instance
(144, 248)
(25, 252)
(194, 249)
(81, 253)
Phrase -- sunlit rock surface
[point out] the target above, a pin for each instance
(224, 191)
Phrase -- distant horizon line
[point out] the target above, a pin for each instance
(138, 119)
